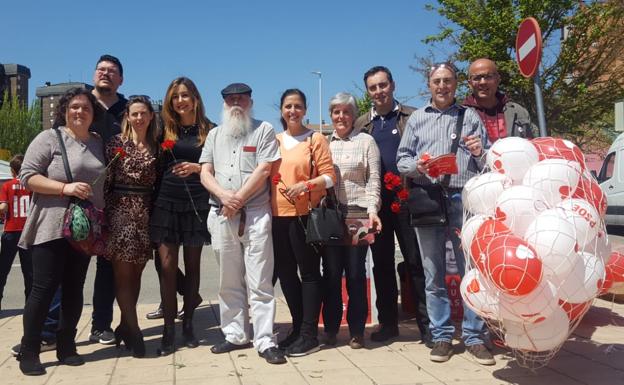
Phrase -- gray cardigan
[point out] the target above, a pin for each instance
(43, 157)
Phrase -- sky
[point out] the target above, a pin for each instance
(271, 45)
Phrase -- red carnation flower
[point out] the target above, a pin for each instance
(276, 179)
(395, 207)
(396, 180)
(119, 152)
(402, 194)
(388, 177)
(389, 186)
(168, 145)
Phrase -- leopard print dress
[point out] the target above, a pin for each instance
(128, 213)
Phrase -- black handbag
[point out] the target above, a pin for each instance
(427, 204)
(326, 224)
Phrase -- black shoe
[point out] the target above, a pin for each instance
(273, 355)
(46, 346)
(441, 351)
(481, 354)
(167, 344)
(189, 336)
(330, 339)
(384, 333)
(74, 359)
(289, 340)
(30, 365)
(226, 346)
(303, 346)
(156, 314)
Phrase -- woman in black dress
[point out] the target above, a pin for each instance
(181, 206)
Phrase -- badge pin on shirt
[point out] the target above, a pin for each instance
(395, 131)
(453, 136)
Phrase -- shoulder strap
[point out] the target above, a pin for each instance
(458, 129)
(68, 173)
(312, 163)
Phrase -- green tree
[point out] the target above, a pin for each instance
(18, 125)
(582, 75)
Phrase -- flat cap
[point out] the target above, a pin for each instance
(236, 88)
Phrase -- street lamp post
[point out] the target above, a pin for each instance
(320, 76)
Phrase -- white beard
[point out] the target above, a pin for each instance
(236, 120)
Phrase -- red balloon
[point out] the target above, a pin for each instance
(512, 265)
(557, 148)
(485, 233)
(575, 310)
(616, 266)
(607, 284)
(590, 190)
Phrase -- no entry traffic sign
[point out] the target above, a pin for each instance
(529, 47)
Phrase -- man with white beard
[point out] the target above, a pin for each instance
(236, 162)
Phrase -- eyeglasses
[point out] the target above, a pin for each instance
(487, 77)
(109, 70)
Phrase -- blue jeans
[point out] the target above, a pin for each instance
(432, 243)
(51, 322)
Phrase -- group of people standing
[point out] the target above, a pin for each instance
(194, 183)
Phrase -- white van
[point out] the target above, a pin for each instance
(611, 179)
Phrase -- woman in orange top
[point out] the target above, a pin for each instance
(300, 187)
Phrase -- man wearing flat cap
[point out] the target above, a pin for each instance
(236, 162)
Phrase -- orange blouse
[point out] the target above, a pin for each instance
(294, 167)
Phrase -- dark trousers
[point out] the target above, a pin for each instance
(384, 271)
(54, 263)
(294, 257)
(103, 295)
(352, 261)
(8, 250)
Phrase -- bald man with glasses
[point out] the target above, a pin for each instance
(500, 116)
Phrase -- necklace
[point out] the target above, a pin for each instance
(186, 129)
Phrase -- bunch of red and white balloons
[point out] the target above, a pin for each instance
(537, 242)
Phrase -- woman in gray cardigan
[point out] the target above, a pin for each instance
(54, 260)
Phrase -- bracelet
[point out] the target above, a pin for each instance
(62, 189)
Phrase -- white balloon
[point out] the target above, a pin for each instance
(554, 239)
(468, 231)
(556, 179)
(518, 206)
(585, 218)
(480, 192)
(512, 156)
(538, 337)
(584, 281)
(478, 295)
(600, 246)
(533, 307)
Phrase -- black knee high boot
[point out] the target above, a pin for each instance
(28, 358)
(66, 348)
(187, 331)
(167, 344)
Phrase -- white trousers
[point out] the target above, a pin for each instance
(246, 271)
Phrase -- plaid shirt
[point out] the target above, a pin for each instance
(357, 161)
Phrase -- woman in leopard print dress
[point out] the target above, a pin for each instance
(129, 189)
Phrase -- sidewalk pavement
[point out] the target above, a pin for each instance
(593, 355)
